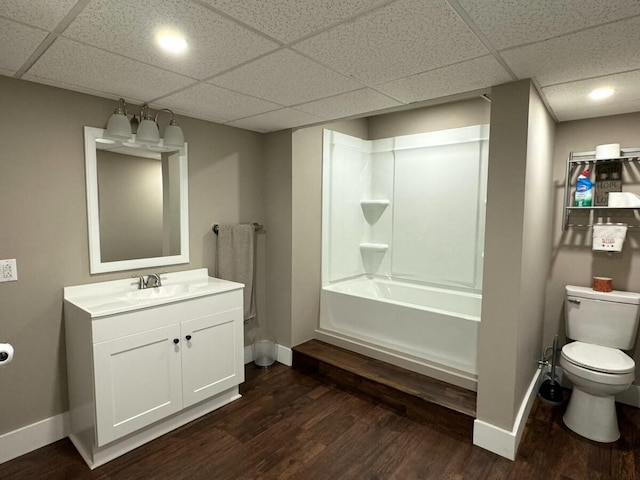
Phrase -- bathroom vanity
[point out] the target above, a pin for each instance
(142, 362)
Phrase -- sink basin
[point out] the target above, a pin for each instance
(101, 299)
(157, 292)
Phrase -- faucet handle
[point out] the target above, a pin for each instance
(157, 282)
(159, 278)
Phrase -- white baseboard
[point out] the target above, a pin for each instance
(503, 442)
(284, 355)
(31, 437)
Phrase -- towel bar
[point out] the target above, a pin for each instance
(256, 226)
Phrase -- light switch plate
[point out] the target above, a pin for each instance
(8, 270)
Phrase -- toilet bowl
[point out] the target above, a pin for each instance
(597, 373)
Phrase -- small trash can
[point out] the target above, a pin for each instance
(264, 350)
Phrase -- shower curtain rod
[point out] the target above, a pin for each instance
(256, 226)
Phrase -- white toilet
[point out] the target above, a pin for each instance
(600, 323)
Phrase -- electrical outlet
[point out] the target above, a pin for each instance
(8, 270)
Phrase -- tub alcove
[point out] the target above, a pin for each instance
(402, 242)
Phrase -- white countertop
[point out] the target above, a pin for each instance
(118, 296)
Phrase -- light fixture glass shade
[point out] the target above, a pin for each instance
(148, 132)
(173, 136)
(118, 127)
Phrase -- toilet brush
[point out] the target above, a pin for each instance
(550, 390)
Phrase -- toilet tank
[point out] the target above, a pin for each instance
(609, 319)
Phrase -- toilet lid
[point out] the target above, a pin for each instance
(598, 358)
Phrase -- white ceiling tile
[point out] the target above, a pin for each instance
(215, 102)
(347, 104)
(288, 20)
(408, 50)
(593, 111)
(277, 120)
(507, 23)
(598, 51)
(18, 43)
(474, 74)
(129, 28)
(190, 114)
(67, 62)
(39, 13)
(575, 95)
(401, 39)
(286, 78)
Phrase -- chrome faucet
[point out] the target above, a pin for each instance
(144, 282)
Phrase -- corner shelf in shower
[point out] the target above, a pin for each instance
(374, 247)
(375, 203)
(373, 208)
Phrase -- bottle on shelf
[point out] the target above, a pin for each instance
(584, 190)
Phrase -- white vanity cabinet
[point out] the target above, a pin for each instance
(138, 371)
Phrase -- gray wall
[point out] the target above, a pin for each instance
(517, 250)
(459, 114)
(573, 262)
(536, 243)
(278, 187)
(44, 226)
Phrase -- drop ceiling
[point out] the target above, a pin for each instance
(265, 65)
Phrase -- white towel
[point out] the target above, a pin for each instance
(236, 261)
(609, 237)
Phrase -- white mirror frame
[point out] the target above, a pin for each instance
(91, 134)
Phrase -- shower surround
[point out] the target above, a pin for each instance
(403, 233)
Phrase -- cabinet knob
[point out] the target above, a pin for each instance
(176, 341)
(188, 337)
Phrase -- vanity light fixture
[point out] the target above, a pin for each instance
(601, 93)
(119, 127)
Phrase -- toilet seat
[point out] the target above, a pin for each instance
(597, 358)
(597, 378)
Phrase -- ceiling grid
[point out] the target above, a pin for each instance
(266, 65)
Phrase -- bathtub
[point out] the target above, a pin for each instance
(429, 330)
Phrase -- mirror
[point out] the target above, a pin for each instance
(137, 204)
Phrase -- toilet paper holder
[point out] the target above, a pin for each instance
(6, 353)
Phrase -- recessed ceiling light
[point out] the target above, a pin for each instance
(172, 43)
(601, 93)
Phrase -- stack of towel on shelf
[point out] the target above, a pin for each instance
(236, 261)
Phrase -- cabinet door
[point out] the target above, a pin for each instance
(212, 356)
(137, 381)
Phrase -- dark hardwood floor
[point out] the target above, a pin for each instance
(289, 425)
